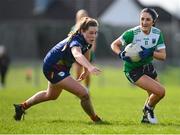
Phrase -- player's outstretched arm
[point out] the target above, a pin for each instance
(81, 59)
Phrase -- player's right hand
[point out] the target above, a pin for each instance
(94, 70)
(124, 57)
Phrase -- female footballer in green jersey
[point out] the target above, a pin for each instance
(142, 73)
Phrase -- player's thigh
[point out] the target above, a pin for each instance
(78, 69)
(53, 90)
(150, 85)
(73, 86)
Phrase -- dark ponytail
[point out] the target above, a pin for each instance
(83, 24)
(153, 14)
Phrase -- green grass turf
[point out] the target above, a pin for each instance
(114, 99)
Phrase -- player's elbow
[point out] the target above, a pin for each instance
(113, 46)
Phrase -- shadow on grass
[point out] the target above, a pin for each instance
(80, 121)
(110, 123)
(100, 123)
(104, 122)
(65, 121)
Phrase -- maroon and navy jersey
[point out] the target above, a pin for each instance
(61, 53)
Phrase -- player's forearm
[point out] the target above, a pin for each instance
(83, 61)
(159, 55)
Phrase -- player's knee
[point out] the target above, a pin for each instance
(85, 97)
(161, 93)
(51, 97)
(54, 97)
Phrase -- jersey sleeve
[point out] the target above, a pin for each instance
(127, 37)
(74, 43)
(160, 43)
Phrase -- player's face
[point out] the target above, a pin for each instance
(146, 22)
(90, 34)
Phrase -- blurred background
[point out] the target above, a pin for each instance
(29, 28)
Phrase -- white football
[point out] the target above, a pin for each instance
(132, 50)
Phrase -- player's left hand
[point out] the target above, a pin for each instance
(146, 52)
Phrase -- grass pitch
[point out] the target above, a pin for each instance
(114, 99)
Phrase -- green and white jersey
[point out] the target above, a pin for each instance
(135, 35)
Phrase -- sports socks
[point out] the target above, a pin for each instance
(149, 107)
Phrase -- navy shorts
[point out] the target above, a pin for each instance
(136, 73)
(55, 73)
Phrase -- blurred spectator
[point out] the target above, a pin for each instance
(78, 68)
(28, 74)
(40, 6)
(4, 64)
